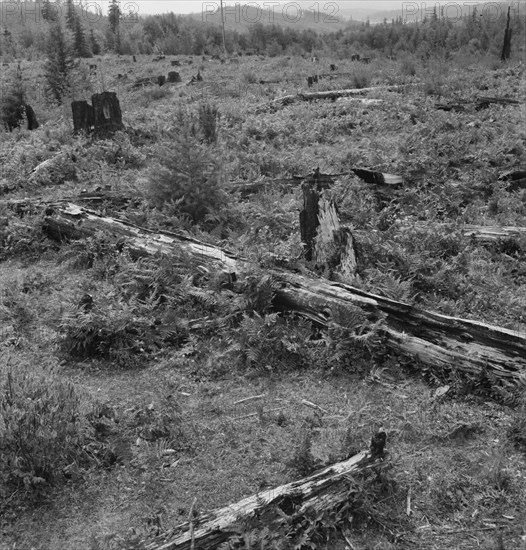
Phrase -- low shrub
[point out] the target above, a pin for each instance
(114, 330)
(43, 428)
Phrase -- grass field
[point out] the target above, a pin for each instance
(115, 420)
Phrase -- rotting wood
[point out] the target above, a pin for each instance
(380, 179)
(324, 490)
(334, 244)
(477, 104)
(71, 221)
(506, 46)
(516, 180)
(103, 117)
(438, 341)
(329, 94)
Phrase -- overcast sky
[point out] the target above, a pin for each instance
(198, 6)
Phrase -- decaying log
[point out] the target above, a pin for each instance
(515, 179)
(71, 221)
(438, 341)
(482, 233)
(323, 491)
(329, 94)
(382, 180)
(477, 104)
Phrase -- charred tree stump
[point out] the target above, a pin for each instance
(107, 113)
(83, 118)
(32, 122)
(174, 76)
(103, 117)
(309, 218)
(312, 188)
(506, 47)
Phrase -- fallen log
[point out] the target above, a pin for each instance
(492, 233)
(491, 353)
(438, 341)
(369, 176)
(318, 493)
(515, 180)
(74, 222)
(329, 94)
(477, 104)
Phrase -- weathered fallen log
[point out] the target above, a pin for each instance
(494, 354)
(323, 491)
(477, 104)
(74, 222)
(329, 94)
(441, 342)
(482, 233)
(515, 179)
(492, 233)
(369, 176)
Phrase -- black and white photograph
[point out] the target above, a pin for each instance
(262, 275)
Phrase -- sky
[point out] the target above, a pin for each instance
(199, 6)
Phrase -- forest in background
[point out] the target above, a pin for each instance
(479, 31)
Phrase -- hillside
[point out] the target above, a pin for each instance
(242, 17)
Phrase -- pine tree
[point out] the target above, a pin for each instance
(71, 16)
(49, 12)
(12, 103)
(59, 64)
(80, 45)
(94, 43)
(114, 17)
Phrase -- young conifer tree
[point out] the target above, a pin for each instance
(80, 44)
(59, 64)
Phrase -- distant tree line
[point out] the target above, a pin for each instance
(126, 33)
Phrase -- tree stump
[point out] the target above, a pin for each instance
(107, 113)
(103, 117)
(334, 244)
(83, 117)
(174, 77)
(506, 47)
(312, 187)
(32, 122)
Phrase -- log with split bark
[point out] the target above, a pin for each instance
(321, 492)
(329, 94)
(477, 104)
(381, 179)
(493, 354)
